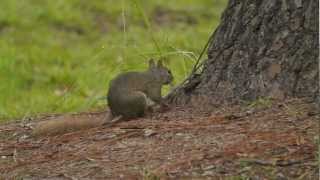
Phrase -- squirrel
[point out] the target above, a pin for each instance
(130, 95)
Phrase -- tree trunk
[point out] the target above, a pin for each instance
(261, 48)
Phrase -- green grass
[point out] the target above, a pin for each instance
(58, 56)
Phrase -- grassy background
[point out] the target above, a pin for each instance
(58, 56)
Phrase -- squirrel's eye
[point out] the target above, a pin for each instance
(169, 71)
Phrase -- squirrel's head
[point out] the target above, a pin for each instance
(161, 73)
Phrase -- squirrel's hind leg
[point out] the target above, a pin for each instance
(135, 104)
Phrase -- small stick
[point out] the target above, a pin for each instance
(269, 163)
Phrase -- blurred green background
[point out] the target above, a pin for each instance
(58, 56)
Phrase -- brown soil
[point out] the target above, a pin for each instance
(277, 141)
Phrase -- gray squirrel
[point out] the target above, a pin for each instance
(131, 94)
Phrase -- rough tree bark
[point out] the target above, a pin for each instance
(261, 48)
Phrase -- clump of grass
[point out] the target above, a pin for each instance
(148, 175)
(264, 102)
(58, 56)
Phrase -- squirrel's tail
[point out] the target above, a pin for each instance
(69, 123)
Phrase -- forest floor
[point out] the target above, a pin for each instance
(279, 140)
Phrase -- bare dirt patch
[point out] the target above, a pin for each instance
(259, 142)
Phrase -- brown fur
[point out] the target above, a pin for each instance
(69, 123)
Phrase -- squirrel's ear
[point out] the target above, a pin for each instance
(160, 64)
(152, 64)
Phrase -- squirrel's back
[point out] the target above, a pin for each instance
(129, 81)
